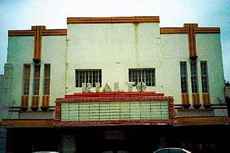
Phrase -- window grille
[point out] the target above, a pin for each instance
(194, 78)
(26, 79)
(204, 76)
(183, 75)
(146, 75)
(46, 85)
(92, 76)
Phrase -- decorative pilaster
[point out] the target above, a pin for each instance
(206, 100)
(37, 42)
(45, 102)
(190, 28)
(194, 83)
(35, 103)
(196, 100)
(24, 102)
(185, 100)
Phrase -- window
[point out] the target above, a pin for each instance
(92, 76)
(183, 75)
(46, 90)
(194, 76)
(204, 76)
(26, 79)
(146, 75)
(36, 79)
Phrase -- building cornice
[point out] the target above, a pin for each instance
(172, 30)
(44, 32)
(12, 33)
(207, 30)
(130, 19)
(184, 30)
(54, 32)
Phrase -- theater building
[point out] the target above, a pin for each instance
(114, 84)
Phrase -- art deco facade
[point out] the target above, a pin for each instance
(110, 72)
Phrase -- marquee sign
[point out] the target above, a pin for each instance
(114, 107)
(101, 111)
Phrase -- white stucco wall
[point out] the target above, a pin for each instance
(20, 51)
(114, 48)
(54, 53)
(174, 48)
(3, 103)
(209, 49)
(6, 87)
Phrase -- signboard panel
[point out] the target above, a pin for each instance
(103, 111)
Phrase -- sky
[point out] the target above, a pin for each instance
(21, 14)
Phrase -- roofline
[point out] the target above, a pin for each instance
(111, 20)
(184, 29)
(125, 19)
(44, 32)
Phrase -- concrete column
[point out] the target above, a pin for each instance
(68, 144)
(3, 133)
